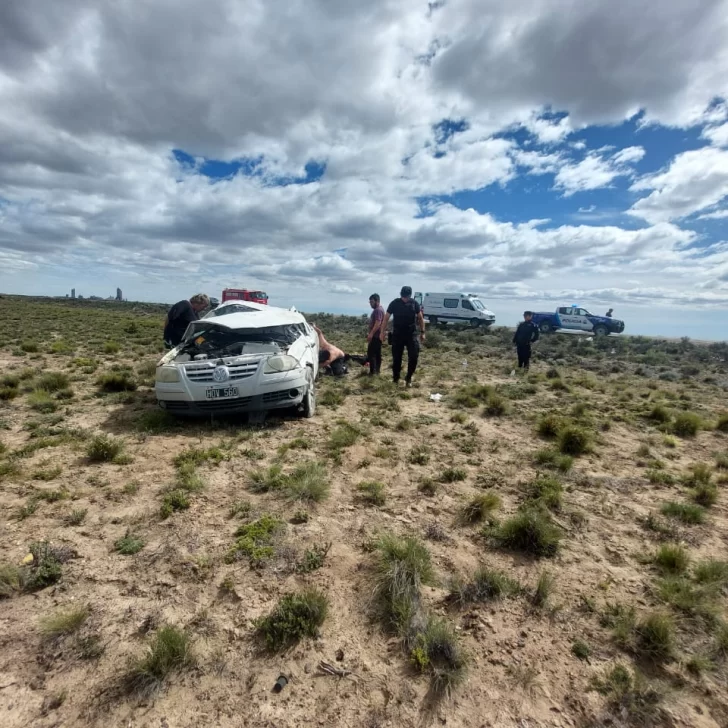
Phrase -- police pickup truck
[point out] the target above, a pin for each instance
(573, 318)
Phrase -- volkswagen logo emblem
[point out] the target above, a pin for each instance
(221, 374)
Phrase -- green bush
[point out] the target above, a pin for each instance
(256, 540)
(53, 382)
(686, 424)
(174, 500)
(30, 347)
(659, 414)
(553, 459)
(45, 569)
(8, 393)
(116, 382)
(372, 492)
(672, 558)
(436, 650)
(41, 401)
(111, 347)
(495, 406)
(705, 494)
(295, 616)
(547, 491)
(655, 636)
(722, 424)
(169, 652)
(531, 531)
(471, 395)
(549, 426)
(574, 440)
(104, 449)
(452, 475)
(685, 512)
(486, 585)
(129, 544)
(480, 507)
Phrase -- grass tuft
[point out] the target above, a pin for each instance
(531, 531)
(436, 650)
(486, 585)
(547, 491)
(295, 616)
(543, 590)
(104, 449)
(574, 440)
(129, 544)
(453, 475)
(372, 492)
(53, 382)
(64, 622)
(688, 513)
(480, 507)
(672, 558)
(655, 636)
(686, 424)
(116, 382)
(629, 695)
(169, 652)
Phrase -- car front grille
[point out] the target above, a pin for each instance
(223, 404)
(173, 404)
(203, 372)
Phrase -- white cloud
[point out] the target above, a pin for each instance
(694, 180)
(595, 171)
(717, 215)
(718, 135)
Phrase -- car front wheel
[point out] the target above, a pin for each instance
(474, 323)
(545, 327)
(601, 331)
(309, 399)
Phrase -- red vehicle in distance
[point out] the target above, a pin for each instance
(243, 294)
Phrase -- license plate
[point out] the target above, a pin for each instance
(221, 392)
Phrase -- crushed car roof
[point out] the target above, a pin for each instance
(248, 315)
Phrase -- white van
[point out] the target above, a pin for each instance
(455, 307)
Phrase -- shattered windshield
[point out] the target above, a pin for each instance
(233, 308)
(217, 341)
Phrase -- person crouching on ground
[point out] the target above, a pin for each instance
(407, 319)
(180, 316)
(374, 341)
(526, 334)
(330, 356)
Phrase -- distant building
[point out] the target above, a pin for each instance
(118, 295)
(73, 293)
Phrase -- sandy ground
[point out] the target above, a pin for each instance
(521, 669)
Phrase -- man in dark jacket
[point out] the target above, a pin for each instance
(407, 319)
(526, 334)
(180, 316)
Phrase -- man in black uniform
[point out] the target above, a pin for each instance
(180, 316)
(526, 334)
(608, 314)
(407, 319)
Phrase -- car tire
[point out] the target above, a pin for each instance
(308, 405)
(433, 320)
(474, 323)
(545, 327)
(601, 331)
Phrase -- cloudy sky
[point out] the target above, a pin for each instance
(535, 151)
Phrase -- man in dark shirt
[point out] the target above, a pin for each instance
(407, 319)
(609, 313)
(374, 341)
(180, 316)
(526, 334)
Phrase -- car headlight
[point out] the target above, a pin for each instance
(167, 375)
(280, 363)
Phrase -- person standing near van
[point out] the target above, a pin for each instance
(374, 341)
(407, 319)
(526, 334)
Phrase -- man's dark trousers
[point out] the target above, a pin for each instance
(400, 342)
(524, 355)
(374, 354)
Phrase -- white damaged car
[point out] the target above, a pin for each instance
(241, 357)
